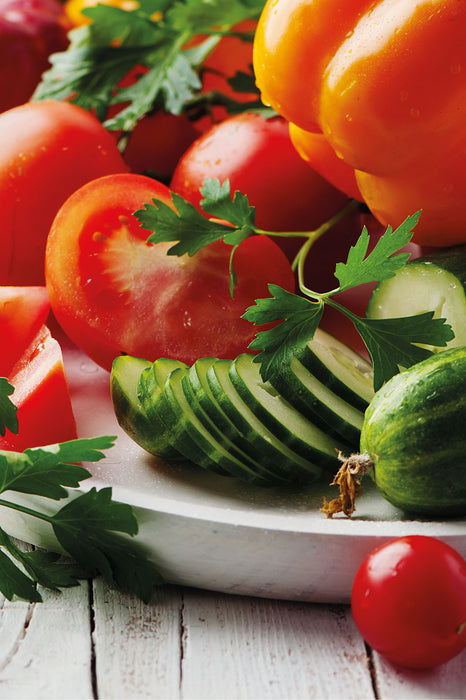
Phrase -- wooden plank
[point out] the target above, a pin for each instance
(240, 648)
(137, 645)
(45, 648)
(446, 681)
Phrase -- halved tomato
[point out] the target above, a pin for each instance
(114, 293)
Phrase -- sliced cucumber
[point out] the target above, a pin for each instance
(131, 415)
(206, 409)
(340, 368)
(160, 416)
(434, 282)
(210, 453)
(264, 444)
(317, 403)
(278, 415)
(267, 463)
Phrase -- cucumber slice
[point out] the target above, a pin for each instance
(210, 453)
(434, 282)
(278, 415)
(206, 409)
(264, 444)
(317, 403)
(130, 412)
(340, 368)
(160, 416)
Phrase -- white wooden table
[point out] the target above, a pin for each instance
(92, 642)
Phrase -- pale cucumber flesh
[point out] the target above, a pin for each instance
(422, 286)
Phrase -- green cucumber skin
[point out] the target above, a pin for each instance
(290, 468)
(130, 411)
(309, 406)
(308, 356)
(265, 466)
(305, 448)
(415, 432)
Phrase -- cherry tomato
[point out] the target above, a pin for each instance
(113, 293)
(47, 150)
(258, 158)
(409, 601)
(30, 30)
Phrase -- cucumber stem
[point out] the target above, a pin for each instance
(348, 478)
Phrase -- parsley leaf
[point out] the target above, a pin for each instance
(91, 528)
(186, 225)
(391, 341)
(155, 36)
(8, 417)
(299, 319)
(382, 262)
(85, 528)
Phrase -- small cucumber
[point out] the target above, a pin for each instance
(413, 440)
(130, 413)
(435, 282)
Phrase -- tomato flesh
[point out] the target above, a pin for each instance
(409, 601)
(23, 310)
(114, 293)
(41, 395)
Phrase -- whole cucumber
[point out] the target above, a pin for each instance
(413, 441)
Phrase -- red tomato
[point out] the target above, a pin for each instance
(45, 414)
(23, 310)
(258, 158)
(47, 150)
(112, 292)
(157, 142)
(409, 601)
(30, 30)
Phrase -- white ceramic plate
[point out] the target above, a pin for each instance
(217, 533)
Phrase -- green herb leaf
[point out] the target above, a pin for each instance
(47, 569)
(382, 262)
(45, 471)
(86, 528)
(154, 35)
(186, 225)
(390, 341)
(13, 582)
(8, 411)
(299, 318)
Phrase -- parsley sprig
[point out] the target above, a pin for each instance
(391, 343)
(91, 528)
(155, 36)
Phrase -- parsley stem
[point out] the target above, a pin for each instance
(312, 237)
(27, 511)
